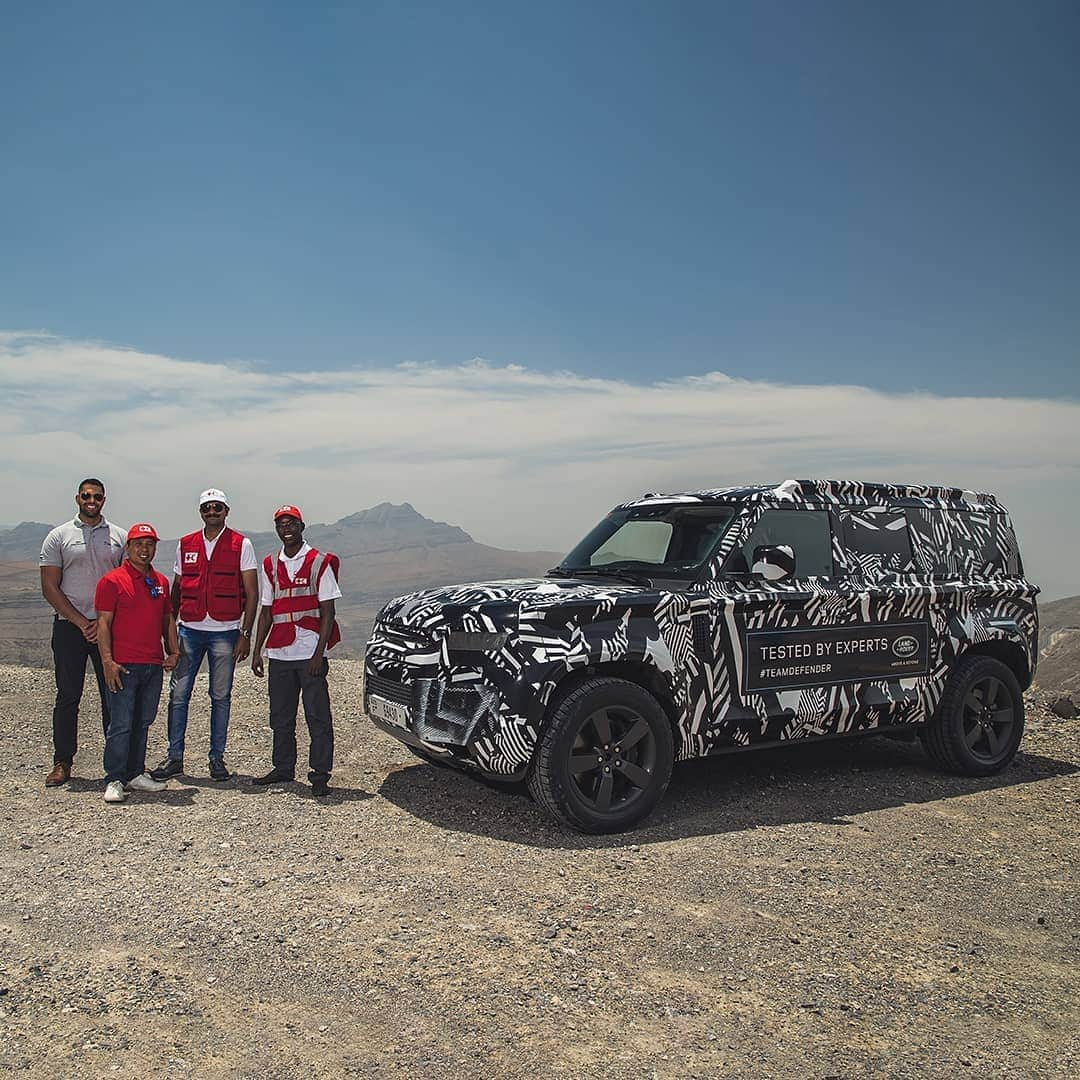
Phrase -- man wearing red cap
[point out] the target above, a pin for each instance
(296, 621)
(134, 615)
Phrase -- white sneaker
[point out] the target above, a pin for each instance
(145, 782)
(114, 791)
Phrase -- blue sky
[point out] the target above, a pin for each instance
(870, 193)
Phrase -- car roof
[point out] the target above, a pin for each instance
(836, 492)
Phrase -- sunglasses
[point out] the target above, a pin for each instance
(155, 589)
(213, 508)
(91, 496)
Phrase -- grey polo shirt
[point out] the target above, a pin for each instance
(84, 554)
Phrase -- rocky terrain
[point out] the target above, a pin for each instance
(829, 911)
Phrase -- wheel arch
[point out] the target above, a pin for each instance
(638, 672)
(1009, 653)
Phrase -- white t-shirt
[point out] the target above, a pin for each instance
(247, 562)
(303, 648)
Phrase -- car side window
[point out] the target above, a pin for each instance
(974, 538)
(877, 539)
(806, 532)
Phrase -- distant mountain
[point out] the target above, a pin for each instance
(1059, 647)
(1058, 615)
(386, 527)
(23, 542)
(385, 551)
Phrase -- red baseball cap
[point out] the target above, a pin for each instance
(142, 531)
(291, 511)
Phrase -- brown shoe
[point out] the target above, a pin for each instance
(61, 774)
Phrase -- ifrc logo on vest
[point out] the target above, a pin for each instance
(211, 587)
(296, 599)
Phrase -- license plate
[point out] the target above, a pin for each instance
(389, 712)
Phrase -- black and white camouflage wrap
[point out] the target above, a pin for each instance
(959, 575)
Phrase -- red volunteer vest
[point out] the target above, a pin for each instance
(296, 600)
(211, 588)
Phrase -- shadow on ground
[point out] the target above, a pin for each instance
(828, 783)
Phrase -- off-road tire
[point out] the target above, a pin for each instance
(639, 775)
(947, 738)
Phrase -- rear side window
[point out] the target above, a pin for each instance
(877, 539)
(974, 537)
(930, 537)
(806, 532)
(964, 543)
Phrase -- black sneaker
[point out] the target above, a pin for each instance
(320, 786)
(218, 769)
(274, 776)
(169, 767)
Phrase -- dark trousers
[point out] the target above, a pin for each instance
(288, 681)
(132, 711)
(70, 652)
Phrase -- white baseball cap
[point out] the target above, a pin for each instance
(213, 495)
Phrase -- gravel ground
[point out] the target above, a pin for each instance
(831, 911)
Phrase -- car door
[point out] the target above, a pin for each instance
(783, 633)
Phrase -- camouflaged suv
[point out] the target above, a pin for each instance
(716, 621)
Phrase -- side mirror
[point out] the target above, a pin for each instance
(773, 563)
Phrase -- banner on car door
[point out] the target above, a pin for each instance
(821, 655)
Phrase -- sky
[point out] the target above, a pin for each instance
(515, 262)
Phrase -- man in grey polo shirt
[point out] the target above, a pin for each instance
(74, 557)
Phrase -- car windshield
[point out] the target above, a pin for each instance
(665, 540)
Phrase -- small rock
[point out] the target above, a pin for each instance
(1064, 707)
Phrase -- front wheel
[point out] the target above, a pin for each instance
(604, 759)
(978, 724)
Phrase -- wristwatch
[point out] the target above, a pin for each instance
(246, 633)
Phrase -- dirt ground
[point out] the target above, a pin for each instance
(837, 910)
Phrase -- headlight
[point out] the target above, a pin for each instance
(468, 641)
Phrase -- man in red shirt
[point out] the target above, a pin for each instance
(134, 616)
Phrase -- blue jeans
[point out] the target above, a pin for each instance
(132, 709)
(218, 646)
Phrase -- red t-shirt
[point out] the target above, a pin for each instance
(138, 616)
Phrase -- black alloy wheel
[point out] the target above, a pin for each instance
(613, 758)
(988, 715)
(604, 758)
(979, 721)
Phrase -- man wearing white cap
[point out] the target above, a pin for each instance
(215, 593)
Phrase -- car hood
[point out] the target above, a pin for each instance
(492, 597)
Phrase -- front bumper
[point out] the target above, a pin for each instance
(441, 714)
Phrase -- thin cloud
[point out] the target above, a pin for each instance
(520, 458)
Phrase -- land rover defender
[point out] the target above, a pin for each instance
(715, 621)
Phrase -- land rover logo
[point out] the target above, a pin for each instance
(905, 647)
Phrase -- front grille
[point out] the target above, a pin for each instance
(449, 714)
(390, 689)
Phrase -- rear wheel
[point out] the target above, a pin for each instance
(604, 759)
(980, 720)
